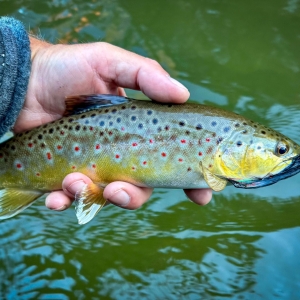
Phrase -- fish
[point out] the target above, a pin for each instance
(146, 143)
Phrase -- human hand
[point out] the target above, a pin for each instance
(61, 70)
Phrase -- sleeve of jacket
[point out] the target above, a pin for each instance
(14, 70)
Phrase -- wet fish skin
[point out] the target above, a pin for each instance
(145, 143)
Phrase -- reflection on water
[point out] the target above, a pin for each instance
(242, 56)
(229, 248)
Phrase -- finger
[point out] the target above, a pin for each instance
(126, 195)
(58, 200)
(74, 183)
(199, 196)
(129, 70)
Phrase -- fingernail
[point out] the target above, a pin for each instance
(76, 186)
(120, 197)
(60, 208)
(177, 83)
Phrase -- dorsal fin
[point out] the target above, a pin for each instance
(82, 103)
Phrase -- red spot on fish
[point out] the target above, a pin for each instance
(1, 155)
(164, 154)
(73, 167)
(110, 133)
(76, 148)
(49, 155)
(133, 168)
(91, 128)
(59, 147)
(183, 141)
(62, 132)
(180, 159)
(122, 128)
(94, 166)
(189, 169)
(144, 162)
(38, 174)
(97, 147)
(200, 153)
(30, 145)
(210, 166)
(134, 144)
(117, 156)
(19, 166)
(151, 141)
(207, 139)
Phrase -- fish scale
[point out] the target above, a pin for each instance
(111, 138)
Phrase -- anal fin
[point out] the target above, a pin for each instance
(89, 202)
(13, 201)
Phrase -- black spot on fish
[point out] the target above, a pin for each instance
(114, 111)
(102, 123)
(154, 121)
(70, 127)
(199, 127)
(133, 107)
(93, 115)
(118, 120)
(213, 123)
(237, 125)
(255, 126)
(170, 105)
(123, 107)
(40, 136)
(259, 147)
(159, 129)
(71, 120)
(167, 127)
(106, 111)
(187, 132)
(181, 123)
(13, 147)
(44, 131)
(226, 129)
(87, 122)
(84, 128)
(61, 122)
(244, 131)
(133, 118)
(57, 128)
(244, 123)
(239, 143)
(42, 145)
(82, 116)
(111, 123)
(77, 127)
(140, 126)
(263, 132)
(51, 130)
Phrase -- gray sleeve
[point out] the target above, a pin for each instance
(14, 71)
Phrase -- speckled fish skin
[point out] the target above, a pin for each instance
(147, 144)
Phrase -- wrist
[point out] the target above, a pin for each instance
(36, 45)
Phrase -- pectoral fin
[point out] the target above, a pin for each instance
(13, 201)
(214, 182)
(89, 202)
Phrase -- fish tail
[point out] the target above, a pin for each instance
(13, 201)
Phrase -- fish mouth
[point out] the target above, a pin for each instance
(287, 172)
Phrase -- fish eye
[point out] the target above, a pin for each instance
(282, 149)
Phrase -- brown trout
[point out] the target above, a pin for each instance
(111, 138)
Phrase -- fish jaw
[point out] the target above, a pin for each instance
(292, 169)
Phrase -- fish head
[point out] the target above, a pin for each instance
(259, 158)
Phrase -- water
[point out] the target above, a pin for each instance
(242, 56)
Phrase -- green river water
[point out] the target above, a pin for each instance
(245, 244)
